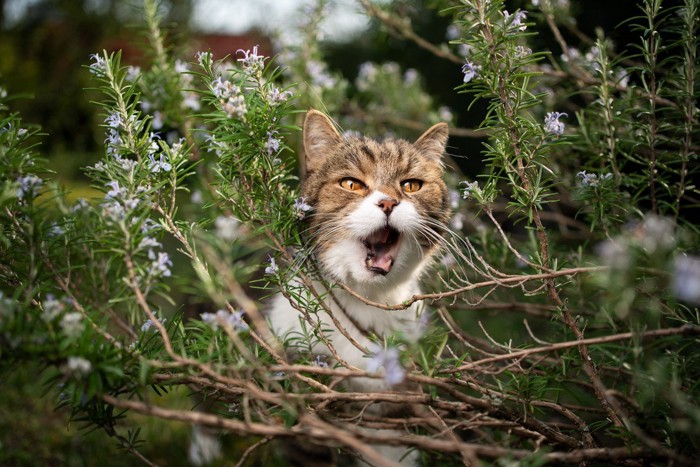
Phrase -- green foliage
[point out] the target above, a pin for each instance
(565, 324)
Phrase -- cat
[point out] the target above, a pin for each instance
(379, 210)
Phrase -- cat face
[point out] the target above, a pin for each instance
(379, 207)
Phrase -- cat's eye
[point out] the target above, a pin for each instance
(352, 184)
(412, 185)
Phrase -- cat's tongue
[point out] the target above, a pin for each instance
(382, 247)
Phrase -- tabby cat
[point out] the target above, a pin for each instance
(379, 209)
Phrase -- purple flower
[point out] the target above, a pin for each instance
(114, 141)
(319, 75)
(224, 318)
(132, 73)
(235, 106)
(591, 179)
(204, 58)
(190, 100)
(148, 324)
(72, 324)
(389, 360)
(148, 242)
(29, 186)
(275, 96)
(114, 120)
(78, 366)
(686, 278)
(410, 76)
(272, 268)
(252, 62)
(552, 123)
(301, 208)
(470, 71)
(445, 113)
(51, 307)
(516, 20)
(320, 361)
(273, 144)
(469, 188)
(116, 190)
(161, 264)
(161, 164)
(149, 225)
(181, 66)
(223, 89)
(98, 66)
(227, 228)
(158, 121)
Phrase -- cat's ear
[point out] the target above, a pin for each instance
(432, 142)
(320, 137)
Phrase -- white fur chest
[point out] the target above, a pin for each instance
(354, 316)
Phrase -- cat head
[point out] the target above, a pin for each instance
(379, 207)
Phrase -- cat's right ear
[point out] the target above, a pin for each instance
(320, 137)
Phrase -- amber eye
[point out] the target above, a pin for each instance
(412, 185)
(352, 184)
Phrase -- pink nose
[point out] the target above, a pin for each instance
(387, 205)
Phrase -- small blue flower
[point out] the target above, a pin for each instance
(114, 141)
(272, 268)
(56, 230)
(78, 366)
(132, 73)
(273, 144)
(116, 190)
(552, 123)
(148, 324)
(98, 66)
(51, 307)
(469, 188)
(114, 120)
(204, 58)
(320, 361)
(224, 318)
(592, 180)
(149, 225)
(227, 228)
(389, 360)
(29, 186)
(148, 243)
(252, 62)
(301, 208)
(275, 96)
(319, 75)
(517, 19)
(161, 264)
(161, 164)
(470, 71)
(686, 279)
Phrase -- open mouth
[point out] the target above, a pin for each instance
(382, 248)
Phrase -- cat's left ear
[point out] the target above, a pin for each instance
(320, 137)
(432, 142)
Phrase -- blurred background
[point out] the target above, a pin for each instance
(45, 45)
(44, 48)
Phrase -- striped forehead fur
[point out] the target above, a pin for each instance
(382, 166)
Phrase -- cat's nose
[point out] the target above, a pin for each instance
(387, 205)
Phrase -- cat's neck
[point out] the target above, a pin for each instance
(386, 293)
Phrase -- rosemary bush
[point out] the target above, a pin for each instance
(565, 311)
